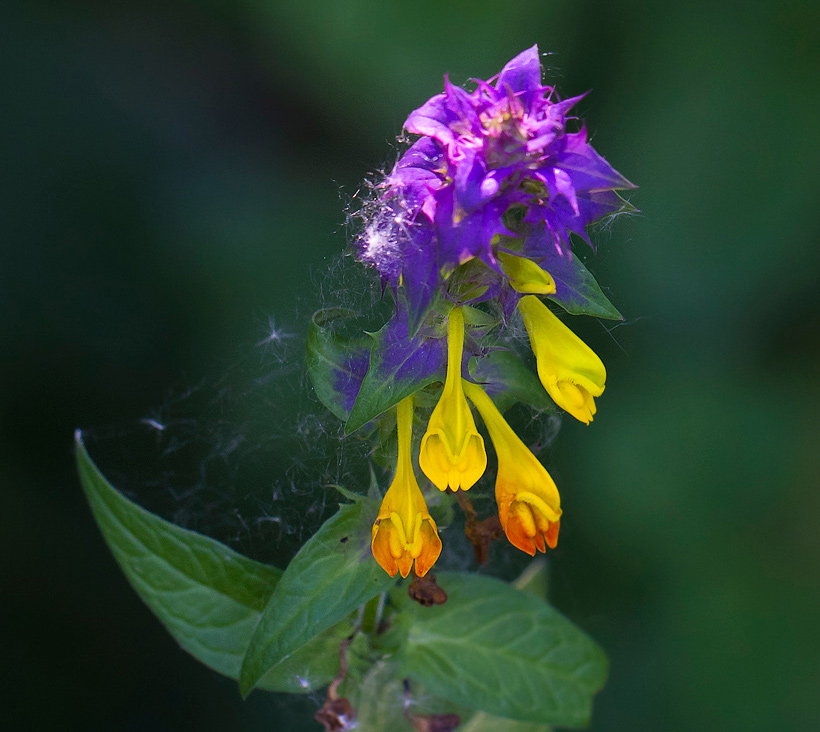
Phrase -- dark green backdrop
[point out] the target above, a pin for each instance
(170, 181)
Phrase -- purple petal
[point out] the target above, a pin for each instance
(347, 381)
(461, 105)
(595, 205)
(471, 236)
(433, 119)
(423, 158)
(551, 226)
(548, 122)
(469, 175)
(521, 74)
(415, 178)
(589, 171)
(559, 183)
(562, 107)
(420, 277)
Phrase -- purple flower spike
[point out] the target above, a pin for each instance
(483, 154)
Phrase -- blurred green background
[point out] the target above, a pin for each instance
(171, 181)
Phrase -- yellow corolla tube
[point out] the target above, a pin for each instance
(404, 532)
(568, 368)
(525, 275)
(529, 506)
(452, 452)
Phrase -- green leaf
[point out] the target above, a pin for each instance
(383, 704)
(330, 577)
(577, 291)
(399, 366)
(208, 596)
(502, 651)
(336, 363)
(312, 666)
(508, 380)
(483, 722)
(379, 701)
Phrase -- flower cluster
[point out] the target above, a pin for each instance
(472, 226)
(453, 457)
(495, 163)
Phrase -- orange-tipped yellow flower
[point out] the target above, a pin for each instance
(568, 368)
(529, 506)
(525, 275)
(404, 532)
(452, 452)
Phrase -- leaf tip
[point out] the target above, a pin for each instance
(248, 678)
(245, 690)
(354, 421)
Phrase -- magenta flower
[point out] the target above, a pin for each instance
(494, 161)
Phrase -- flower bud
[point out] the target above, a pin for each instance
(529, 506)
(568, 368)
(452, 452)
(404, 532)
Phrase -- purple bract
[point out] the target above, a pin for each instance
(495, 161)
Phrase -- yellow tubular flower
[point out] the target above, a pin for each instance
(568, 368)
(529, 506)
(525, 275)
(452, 452)
(404, 531)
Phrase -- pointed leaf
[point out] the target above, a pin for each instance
(336, 363)
(576, 290)
(209, 597)
(502, 651)
(399, 366)
(330, 577)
